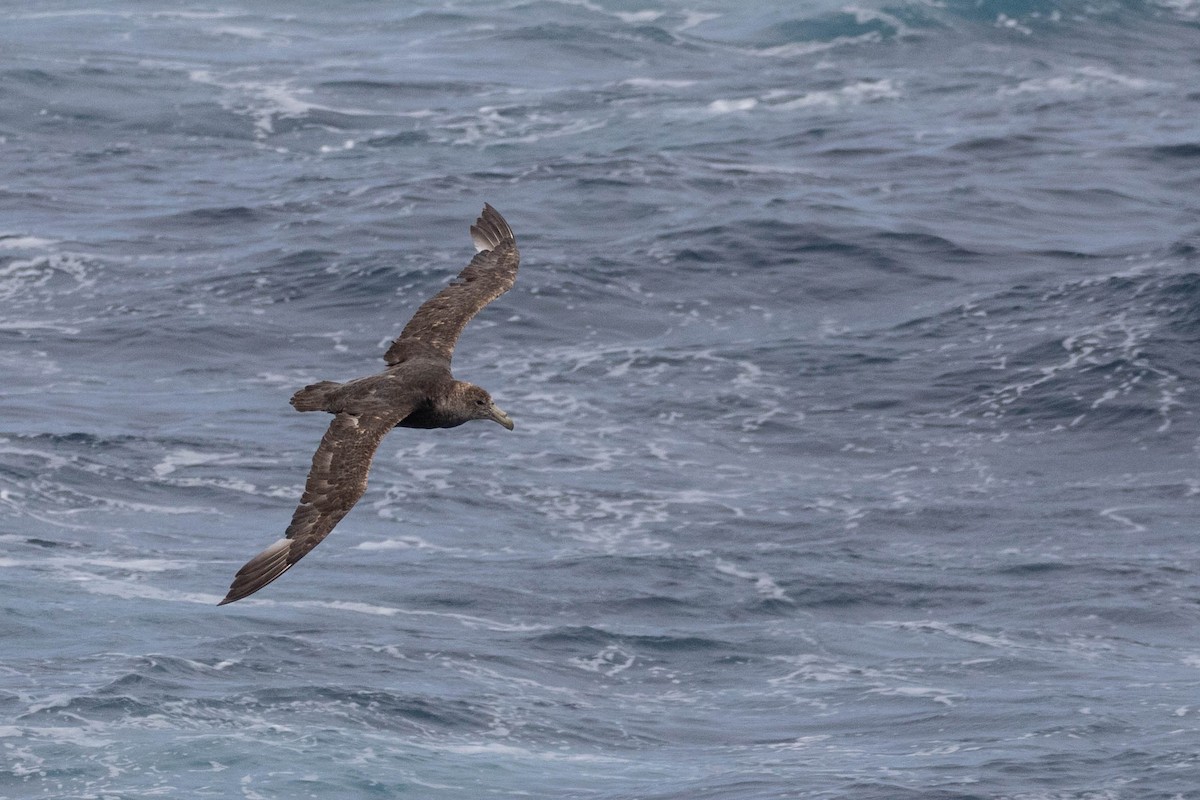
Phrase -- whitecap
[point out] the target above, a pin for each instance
(1115, 516)
(134, 590)
(264, 101)
(52, 460)
(466, 620)
(242, 32)
(21, 276)
(657, 83)
(855, 93)
(608, 662)
(64, 734)
(511, 751)
(184, 458)
(692, 19)
(1005, 21)
(1081, 80)
(22, 325)
(937, 695)
(764, 584)
(404, 543)
(797, 49)
(638, 17)
(14, 242)
(731, 106)
(811, 668)
(1186, 9)
(125, 564)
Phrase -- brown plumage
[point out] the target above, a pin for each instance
(415, 391)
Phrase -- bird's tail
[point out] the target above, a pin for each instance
(315, 397)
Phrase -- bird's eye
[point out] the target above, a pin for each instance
(480, 401)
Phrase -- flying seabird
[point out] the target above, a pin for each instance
(416, 390)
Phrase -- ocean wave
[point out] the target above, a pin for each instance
(1110, 351)
(1087, 79)
(45, 278)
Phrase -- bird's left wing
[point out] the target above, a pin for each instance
(440, 320)
(337, 480)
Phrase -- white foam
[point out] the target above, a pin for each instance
(192, 15)
(266, 100)
(129, 505)
(764, 169)
(247, 792)
(242, 32)
(52, 461)
(405, 543)
(35, 325)
(184, 458)
(25, 243)
(82, 12)
(855, 93)
(800, 743)
(1089, 346)
(490, 127)
(1005, 21)
(1082, 80)
(465, 620)
(135, 590)
(954, 631)
(657, 83)
(279, 379)
(630, 17)
(732, 106)
(432, 478)
(1187, 9)
(638, 17)
(819, 669)
(348, 144)
(798, 49)
(866, 15)
(609, 661)
(72, 563)
(20, 277)
(511, 751)
(66, 734)
(1078, 645)
(1112, 513)
(22, 762)
(937, 695)
(693, 18)
(764, 584)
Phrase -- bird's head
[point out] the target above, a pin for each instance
(476, 403)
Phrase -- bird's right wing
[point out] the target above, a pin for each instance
(337, 480)
(440, 320)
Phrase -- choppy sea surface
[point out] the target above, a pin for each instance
(854, 361)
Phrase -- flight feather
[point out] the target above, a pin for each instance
(441, 319)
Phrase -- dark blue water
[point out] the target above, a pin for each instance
(854, 363)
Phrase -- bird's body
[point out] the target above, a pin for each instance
(416, 390)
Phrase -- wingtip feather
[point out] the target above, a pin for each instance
(260, 571)
(490, 229)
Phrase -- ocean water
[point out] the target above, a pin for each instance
(854, 363)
